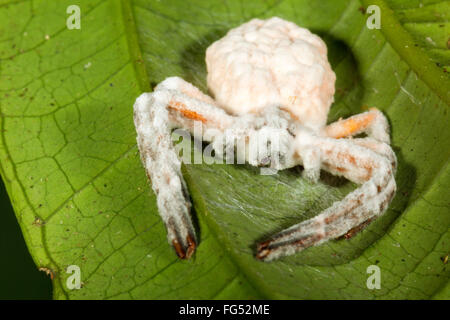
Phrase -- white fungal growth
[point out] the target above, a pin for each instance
(266, 63)
(273, 87)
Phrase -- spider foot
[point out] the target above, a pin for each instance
(184, 249)
(300, 237)
(273, 248)
(291, 240)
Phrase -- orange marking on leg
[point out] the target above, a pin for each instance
(181, 107)
(345, 157)
(348, 127)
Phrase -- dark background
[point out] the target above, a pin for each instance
(19, 276)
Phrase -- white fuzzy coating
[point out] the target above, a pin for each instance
(162, 163)
(154, 122)
(272, 63)
(370, 166)
(274, 80)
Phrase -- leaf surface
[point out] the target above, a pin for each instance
(72, 170)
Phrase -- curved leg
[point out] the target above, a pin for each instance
(359, 164)
(382, 149)
(174, 103)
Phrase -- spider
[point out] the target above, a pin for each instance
(268, 77)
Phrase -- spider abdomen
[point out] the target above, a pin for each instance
(266, 63)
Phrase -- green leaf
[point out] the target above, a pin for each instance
(72, 170)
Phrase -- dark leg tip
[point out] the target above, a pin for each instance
(185, 253)
(179, 249)
(192, 245)
(263, 250)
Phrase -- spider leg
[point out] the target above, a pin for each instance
(372, 169)
(381, 148)
(174, 103)
(309, 154)
(352, 232)
(372, 122)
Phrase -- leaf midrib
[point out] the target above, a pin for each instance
(402, 42)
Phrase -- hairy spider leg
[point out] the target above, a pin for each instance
(379, 147)
(356, 163)
(372, 122)
(174, 103)
(383, 149)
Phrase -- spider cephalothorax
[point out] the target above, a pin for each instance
(268, 77)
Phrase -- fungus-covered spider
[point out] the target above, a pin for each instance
(272, 77)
